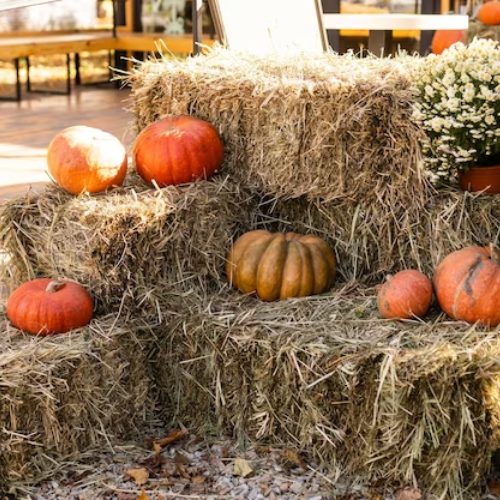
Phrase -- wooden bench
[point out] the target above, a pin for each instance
(17, 48)
(381, 26)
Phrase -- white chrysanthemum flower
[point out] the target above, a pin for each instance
(458, 105)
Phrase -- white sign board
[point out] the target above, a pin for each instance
(263, 26)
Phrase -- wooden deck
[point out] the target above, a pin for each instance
(27, 128)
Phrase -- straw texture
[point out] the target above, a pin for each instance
(66, 393)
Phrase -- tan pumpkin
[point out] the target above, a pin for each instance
(467, 285)
(88, 159)
(405, 295)
(44, 306)
(279, 266)
(489, 13)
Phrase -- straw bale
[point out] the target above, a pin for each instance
(130, 246)
(411, 402)
(321, 125)
(477, 29)
(63, 394)
(373, 239)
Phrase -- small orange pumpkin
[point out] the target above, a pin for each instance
(489, 13)
(407, 294)
(280, 266)
(88, 159)
(467, 285)
(443, 39)
(176, 150)
(44, 306)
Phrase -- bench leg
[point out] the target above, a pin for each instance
(380, 42)
(78, 75)
(17, 96)
(57, 92)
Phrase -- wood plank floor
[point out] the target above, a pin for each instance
(26, 129)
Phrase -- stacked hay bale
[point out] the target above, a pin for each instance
(131, 247)
(329, 143)
(411, 403)
(321, 144)
(64, 394)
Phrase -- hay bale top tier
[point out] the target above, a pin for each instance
(322, 125)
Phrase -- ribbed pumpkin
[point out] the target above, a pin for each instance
(443, 39)
(84, 158)
(177, 150)
(280, 266)
(45, 306)
(489, 13)
(467, 285)
(405, 295)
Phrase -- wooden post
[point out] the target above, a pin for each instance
(197, 12)
(428, 7)
(333, 36)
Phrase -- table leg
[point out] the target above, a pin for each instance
(380, 42)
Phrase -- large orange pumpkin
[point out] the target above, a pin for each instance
(443, 39)
(489, 13)
(45, 306)
(84, 158)
(405, 295)
(176, 150)
(280, 266)
(467, 285)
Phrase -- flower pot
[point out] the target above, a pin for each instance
(485, 179)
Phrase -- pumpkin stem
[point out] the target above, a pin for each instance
(55, 286)
(494, 254)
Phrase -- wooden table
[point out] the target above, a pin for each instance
(381, 26)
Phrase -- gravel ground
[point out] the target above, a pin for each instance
(192, 468)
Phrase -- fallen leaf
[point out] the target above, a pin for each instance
(182, 471)
(408, 494)
(494, 486)
(180, 458)
(171, 438)
(143, 495)
(199, 479)
(294, 458)
(242, 468)
(127, 496)
(140, 476)
(156, 448)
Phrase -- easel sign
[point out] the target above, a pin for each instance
(263, 26)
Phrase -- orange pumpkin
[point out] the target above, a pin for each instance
(467, 285)
(489, 13)
(45, 306)
(177, 150)
(405, 295)
(280, 266)
(443, 39)
(88, 159)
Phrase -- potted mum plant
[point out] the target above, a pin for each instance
(459, 110)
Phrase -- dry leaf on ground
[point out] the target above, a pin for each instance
(242, 468)
(143, 495)
(408, 494)
(140, 476)
(171, 438)
(294, 458)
